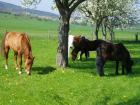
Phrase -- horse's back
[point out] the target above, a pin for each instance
(14, 40)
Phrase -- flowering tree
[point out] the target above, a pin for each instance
(108, 13)
(27, 3)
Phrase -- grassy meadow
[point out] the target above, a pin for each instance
(79, 83)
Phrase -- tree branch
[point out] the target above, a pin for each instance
(75, 5)
(71, 3)
(87, 12)
(59, 6)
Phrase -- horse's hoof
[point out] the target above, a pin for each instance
(6, 67)
(17, 68)
(19, 72)
(28, 72)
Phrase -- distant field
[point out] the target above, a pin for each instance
(78, 84)
(37, 28)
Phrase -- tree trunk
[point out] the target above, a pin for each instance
(96, 30)
(104, 31)
(62, 50)
(111, 34)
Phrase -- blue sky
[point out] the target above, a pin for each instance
(45, 5)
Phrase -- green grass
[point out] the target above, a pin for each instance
(78, 84)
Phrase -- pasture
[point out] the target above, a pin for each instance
(78, 84)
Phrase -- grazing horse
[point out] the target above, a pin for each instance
(20, 44)
(113, 52)
(71, 39)
(84, 45)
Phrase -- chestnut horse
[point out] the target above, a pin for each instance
(114, 52)
(20, 44)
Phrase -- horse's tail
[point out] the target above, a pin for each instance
(2, 47)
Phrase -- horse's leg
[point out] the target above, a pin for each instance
(81, 55)
(15, 59)
(6, 57)
(20, 62)
(100, 64)
(123, 69)
(117, 66)
(86, 54)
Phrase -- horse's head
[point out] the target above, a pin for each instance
(126, 57)
(76, 41)
(28, 64)
(74, 54)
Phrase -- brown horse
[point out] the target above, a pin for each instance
(77, 41)
(20, 44)
(84, 45)
(113, 52)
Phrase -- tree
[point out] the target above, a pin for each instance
(107, 13)
(65, 7)
(94, 10)
(27, 3)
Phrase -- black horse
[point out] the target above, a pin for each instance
(113, 52)
(84, 45)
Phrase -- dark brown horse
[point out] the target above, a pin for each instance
(84, 45)
(113, 52)
(20, 44)
(70, 43)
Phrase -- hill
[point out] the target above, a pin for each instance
(11, 8)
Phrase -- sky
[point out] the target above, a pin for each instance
(45, 5)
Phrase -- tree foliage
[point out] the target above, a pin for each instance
(28, 3)
(110, 13)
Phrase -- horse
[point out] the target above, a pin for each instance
(84, 45)
(20, 44)
(113, 52)
(71, 39)
(70, 43)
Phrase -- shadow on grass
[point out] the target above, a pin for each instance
(134, 101)
(89, 66)
(43, 70)
(84, 64)
(128, 41)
